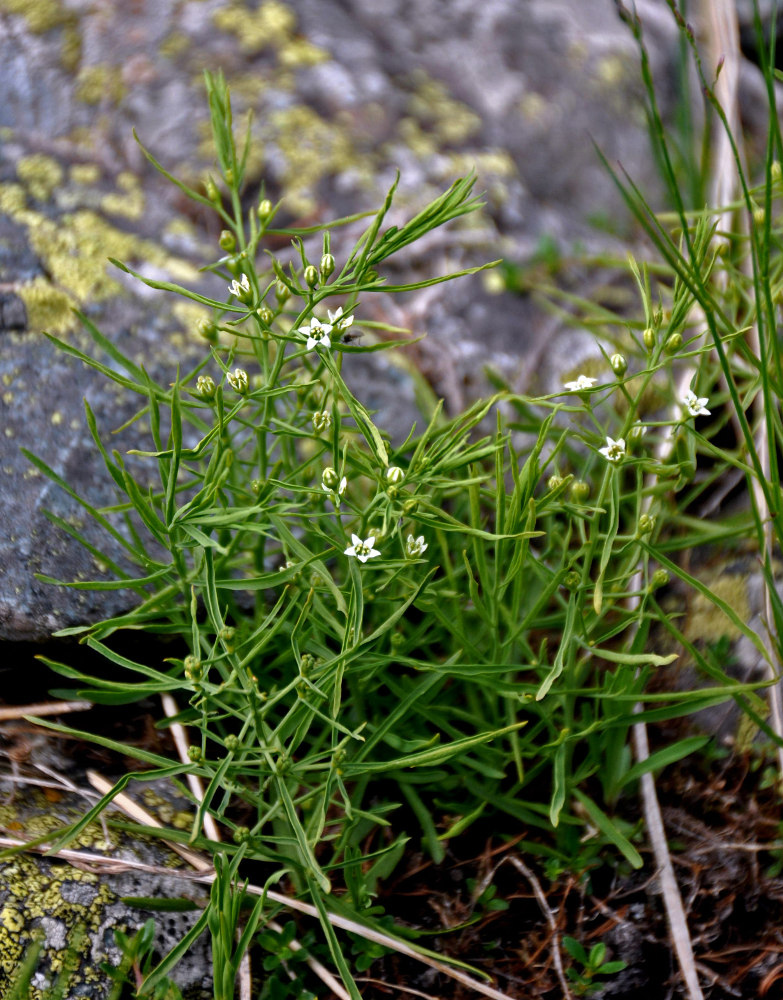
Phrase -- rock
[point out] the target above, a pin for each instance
(343, 93)
(74, 907)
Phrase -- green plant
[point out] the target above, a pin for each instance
(136, 964)
(591, 964)
(381, 639)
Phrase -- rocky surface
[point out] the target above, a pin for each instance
(343, 93)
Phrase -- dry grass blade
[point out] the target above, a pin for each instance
(12, 712)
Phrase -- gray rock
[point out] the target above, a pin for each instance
(343, 93)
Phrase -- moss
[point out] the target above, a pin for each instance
(99, 83)
(41, 15)
(40, 175)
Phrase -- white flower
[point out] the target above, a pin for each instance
(414, 547)
(317, 334)
(205, 386)
(394, 475)
(338, 321)
(331, 483)
(583, 382)
(238, 380)
(363, 550)
(241, 289)
(614, 450)
(695, 406)
(322, 421)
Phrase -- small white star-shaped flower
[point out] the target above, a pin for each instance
(363, 550)
(614, 450)
(695, 406)
(338, 321)
(241, 289)
(317, 334)
(415, 547)
(581, 383)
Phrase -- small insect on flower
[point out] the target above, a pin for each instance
(363, 550)
(581, 383)
(317, 334)
(614, 450)
(415, 547)
(241, 289)
(695, 406)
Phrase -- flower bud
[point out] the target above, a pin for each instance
(208, 330)
(327, 266)
(554, 481)
(193, 669)
(572, 580)
(242, 289)
(205, 386)
(238, 381)
(759, 215)
(228, 174)
(659, 579)
(311, 275)
(394, 475)
(195, 754)
(322, 421)
(265, 209)
(673, 343)
(232, 743)
(580, 490)
(636, 433)
(775, 171)
(649, 338)
(241, 835)
(227, 241)
(330, 479)
(212, 190)
(619, 365)
(646, 524)
(265, 314)
(282, 291)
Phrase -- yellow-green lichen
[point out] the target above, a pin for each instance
(71, 48)
(48, 307)
(12, 199)
(706, 621)
(190, 315)
(41, 15)
(271, 24)
(85, 174)
(99, 83)
(40, 175)
(449, 120)
(175, 44)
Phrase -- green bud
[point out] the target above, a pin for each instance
(265, 209)
(394, 475)
(397, 639)
(759, 215)
(673, 343)
(659, 579)
(232, 743)
(646, 524)
(238, 381)
(619, 365)
(554, 481)
(636, 433)
(327, 266)
(229, 176)
(195, 754)
(193, 669)
(265, 314)
(234, 265)
(212, 190)
(205, 386)
(330, 478)
(241, 835)
(649, 338)
(580, 490)
(227, 241)
(775, 171)
(322, 421)
(311, 276)
(572, 580)
(208, 330)
(282, 291)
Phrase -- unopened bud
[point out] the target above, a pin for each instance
(229, 176)
(232, 743)
(327, 266)
(659, 579)
(775, 171)
(580, 490)
(212, 190)
(673, 343)
(646, 524)
(265, 209)
(238, 381)
(759, 215)
(195, 754)
(572, 580)
(208, 330)
(554, 481)
(329, 478)
(649, 338)
(394, 475)
(227, 241)
(265, 314)
(282, 291)
(619, 365)
(311, 275)
(322, 421)
(193, 669)
(205, 386)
